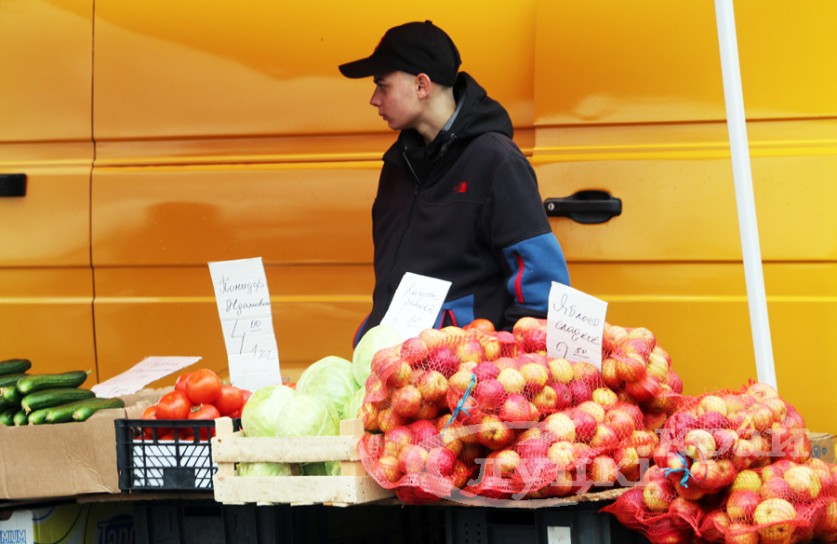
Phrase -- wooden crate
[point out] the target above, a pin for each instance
(354, 486)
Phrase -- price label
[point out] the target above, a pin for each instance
(416, 304)
(575, 325)
(141, 374)
(247, 322)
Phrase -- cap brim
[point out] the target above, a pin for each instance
(367, 67)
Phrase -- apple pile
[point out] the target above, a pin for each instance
(714, 436)
(781, 502)
(514, 421)
(636, 367)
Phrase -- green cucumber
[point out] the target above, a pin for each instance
(89, 407)
(14, 366)
(10, 395)
(20, 418)
(39, 382)
(38, 416)
(53, 397)
(10, 379)
(79, 410)
(7, 417)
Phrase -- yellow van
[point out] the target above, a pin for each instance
(141, 140)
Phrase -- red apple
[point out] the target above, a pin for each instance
(470, 350)
(603, 471)
(563, 394)
(585, 425)
(748, 480)
(516, 408)
(502, 463)
(714, 526)
(442, 359)
(803, 482)
(425, 433)
(644, 390)
(486, 371)
(699, 444)
(561, 426)
(440, 462)
(388, 419)
(490, 395)
(411, 459)
(593, 408)
(775, 488)
(777, 520)
(512, 380)
(414, 350)
(580, 391)
(562, 454)
(604, 438)
(494, 433)
(546, 400)
(741, 503)
(657, 495)
(630, 367)
(406, 401)
(433, 386)
(387, 467)
(535, 375)
(688, 510)
(399, 375)
(560, 370)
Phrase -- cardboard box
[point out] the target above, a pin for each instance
(16, 527)
(90, 523)
(64, 459)
(822, 446)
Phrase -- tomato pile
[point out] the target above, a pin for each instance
(199, 395)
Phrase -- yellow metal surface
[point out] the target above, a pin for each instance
(227, 132)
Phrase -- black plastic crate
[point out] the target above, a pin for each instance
(160, 455)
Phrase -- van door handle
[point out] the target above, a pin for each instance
(589, 206)
(12, 185)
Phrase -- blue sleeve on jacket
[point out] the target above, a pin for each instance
(534, 263)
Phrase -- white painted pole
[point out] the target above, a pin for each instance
(747, 224)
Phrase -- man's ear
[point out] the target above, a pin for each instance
(423, 85)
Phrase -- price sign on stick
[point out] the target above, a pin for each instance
(141, 374)
(416, 304)
(575, 325)
(244, 307)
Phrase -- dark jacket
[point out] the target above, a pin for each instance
(465, 208)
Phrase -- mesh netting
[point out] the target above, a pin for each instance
(514, 421)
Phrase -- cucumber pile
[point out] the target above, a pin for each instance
(33, 399)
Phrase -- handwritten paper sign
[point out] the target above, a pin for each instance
(246, 319)
(141, 374)
(575, 325)
(416, 304)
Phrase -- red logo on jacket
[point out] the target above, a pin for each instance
(461, 187)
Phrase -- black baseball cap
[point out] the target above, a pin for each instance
(414, 48)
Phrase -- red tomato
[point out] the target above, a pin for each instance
(205, 412)
(230, 399)
(180, 384)
(174, 405)
(150, 412)
(245, 394)
(203, 386)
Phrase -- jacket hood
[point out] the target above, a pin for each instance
(476, 114)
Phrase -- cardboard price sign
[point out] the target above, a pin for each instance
(575, 325)
(246, 319)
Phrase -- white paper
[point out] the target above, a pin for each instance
(247, 322)
(141, 374)
(19, 528)
(416, 304)
(575, 325)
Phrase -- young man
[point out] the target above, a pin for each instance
(457, 199)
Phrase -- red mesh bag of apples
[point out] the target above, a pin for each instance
(639, 369)
(654, 509)
(515, 422)
(778, 503)
(714, 436)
